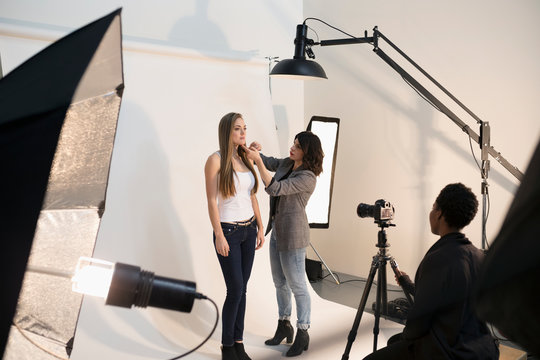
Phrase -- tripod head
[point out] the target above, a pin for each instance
(381, 236)
(383, 223)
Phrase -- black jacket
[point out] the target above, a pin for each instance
(442, 323)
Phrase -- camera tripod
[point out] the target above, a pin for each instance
(378, 263)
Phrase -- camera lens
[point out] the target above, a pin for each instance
(365, 210)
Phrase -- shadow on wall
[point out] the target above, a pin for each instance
(423, 117)
(351, 72)
(146, 223)
(196, 32)
(144, 230)
(199, 33)
(283, 129)
(419, 161)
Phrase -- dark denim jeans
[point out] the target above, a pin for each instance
(236, 270)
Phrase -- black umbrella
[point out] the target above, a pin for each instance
(58, 116)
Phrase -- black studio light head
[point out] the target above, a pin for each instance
(299, 67)
(127, 285)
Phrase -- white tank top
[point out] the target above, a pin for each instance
(238, 207)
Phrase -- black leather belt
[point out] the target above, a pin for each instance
(242, 223)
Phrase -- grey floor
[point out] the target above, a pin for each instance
(350, 289)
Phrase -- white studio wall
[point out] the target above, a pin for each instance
(176, 93)
(393, 144)
(187, 63)
(156, 213)
(233, 30)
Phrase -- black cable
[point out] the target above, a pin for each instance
(352, 280)
(470, 143)
(361, 280)
(175, 358)
(333, 27)
(399, 289)
(474, 157)
(472, 152)
(374, 283)
(486, 218)
(208, 337)
(337, 275)
(407, 82)
(316, 34)
(420, 94)
(354, 37)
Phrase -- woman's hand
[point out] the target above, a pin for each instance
(400, 275)
(260, 238)
(255, 146)
(222, 246)
(252, 154)
(397, 274)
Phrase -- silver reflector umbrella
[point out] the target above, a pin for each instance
(58, 117)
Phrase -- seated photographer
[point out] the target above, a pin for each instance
(441, 324)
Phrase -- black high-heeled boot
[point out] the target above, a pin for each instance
(301, 343)
(240, 351)
(228, 353)
(284, 330)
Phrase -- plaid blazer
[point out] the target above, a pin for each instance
(288, 200)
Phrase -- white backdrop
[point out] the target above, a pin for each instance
(156, 214)
(187, 63)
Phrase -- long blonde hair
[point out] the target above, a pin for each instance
(226, 149)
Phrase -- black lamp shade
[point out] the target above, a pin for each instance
(299, 68)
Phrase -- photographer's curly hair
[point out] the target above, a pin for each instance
(458, 205)
(313, 153)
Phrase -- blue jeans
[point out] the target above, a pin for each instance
(289, 275)
(236, 270)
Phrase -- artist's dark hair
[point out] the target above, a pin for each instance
(458, 205)
(313, 153)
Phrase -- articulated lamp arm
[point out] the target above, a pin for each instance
(303, 45)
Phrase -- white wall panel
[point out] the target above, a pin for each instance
(393, 144)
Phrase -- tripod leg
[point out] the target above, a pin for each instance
(361, 307)
(382, 284)
(380, 301)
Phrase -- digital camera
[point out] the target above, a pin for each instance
(382, 210)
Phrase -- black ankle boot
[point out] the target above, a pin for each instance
(301, 343)
(228, 353)
(284, 330)
(240, 352)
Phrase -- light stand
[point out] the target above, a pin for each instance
(300, 67)
(485, 134)
(378, 263)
